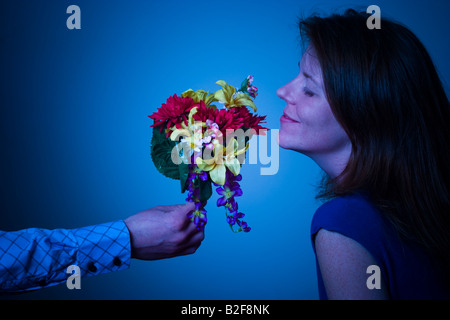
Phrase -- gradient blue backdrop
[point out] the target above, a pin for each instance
(74, 132)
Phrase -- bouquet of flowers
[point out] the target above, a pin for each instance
(200, 144)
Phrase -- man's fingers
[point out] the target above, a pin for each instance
(186, 208)
(193, 244)
(194, 237)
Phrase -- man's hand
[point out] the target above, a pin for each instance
(163, 232)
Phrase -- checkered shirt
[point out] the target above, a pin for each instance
(35, 258)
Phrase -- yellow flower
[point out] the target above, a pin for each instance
(192, 133)
(231, 98)
(224, 157)
(199, 95)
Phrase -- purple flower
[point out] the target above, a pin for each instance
(239, 215)
(192, 195)
(231, 220)
(232, 205)
(247, 87)
(198, 216)
(203, 176)
(228, 192)
(244, 226)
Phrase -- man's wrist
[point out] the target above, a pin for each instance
(103, 248)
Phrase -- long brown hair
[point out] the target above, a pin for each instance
(384, 90)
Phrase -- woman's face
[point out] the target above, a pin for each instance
(308, 124)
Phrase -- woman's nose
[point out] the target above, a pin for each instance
(282, 92)
(288, 91)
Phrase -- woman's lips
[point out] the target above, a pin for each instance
(286, 118)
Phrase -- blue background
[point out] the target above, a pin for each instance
(74, 132)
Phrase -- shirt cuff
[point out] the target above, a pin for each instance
(103, 248)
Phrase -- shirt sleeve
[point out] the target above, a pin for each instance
(35, 258)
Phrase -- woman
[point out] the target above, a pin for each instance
(369, 108)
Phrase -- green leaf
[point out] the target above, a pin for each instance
(184, 172)
(205, 191)
(244, 86)
(160, 151)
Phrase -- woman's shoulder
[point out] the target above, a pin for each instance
(349, 211)
(404, 264)
(355, 217)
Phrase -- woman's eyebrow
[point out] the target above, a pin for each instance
(308, 76)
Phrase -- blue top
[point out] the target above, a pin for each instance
(408, 271)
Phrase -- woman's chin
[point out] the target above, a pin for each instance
(281, 140)
(284, 141)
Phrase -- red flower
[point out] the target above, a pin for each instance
(225, 119)
(173, 112)
(250, 121)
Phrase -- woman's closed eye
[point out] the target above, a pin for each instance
(308, 92)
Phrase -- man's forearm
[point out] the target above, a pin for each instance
(36, 258)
